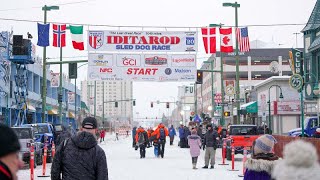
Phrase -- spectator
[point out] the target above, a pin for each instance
(299, 162)
(9, 153)
(65, 134)
(80, 157)
(172, 133)
(134, 131)
(182, 137)
(210, 143)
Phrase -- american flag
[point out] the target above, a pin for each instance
(243, 39)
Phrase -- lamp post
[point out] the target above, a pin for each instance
(269, 102)
(44, 72)
(236, 6)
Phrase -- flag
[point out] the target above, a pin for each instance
(77, 37)
(43, 34)
(209, 39)
(243, 39)
(55, 81)
(59, 35)
(226, 40)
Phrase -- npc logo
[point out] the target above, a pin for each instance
(96, 39)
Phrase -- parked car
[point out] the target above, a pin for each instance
(44, 133)
(241, 136)
(27, 138)
(310, 126)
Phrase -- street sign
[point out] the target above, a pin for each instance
(296, 81)
(223, 103)
(230, 90)
(218, 107)
(240, 100)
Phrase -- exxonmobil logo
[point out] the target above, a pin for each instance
(106, 70)
(143, 40)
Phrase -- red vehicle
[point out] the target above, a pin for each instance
(241, 136)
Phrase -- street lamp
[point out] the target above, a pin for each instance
(236, 6)
(210, 108)
(44, 72)
(269, 102)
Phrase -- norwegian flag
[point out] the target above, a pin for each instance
(209, 39)
(243, 39)
(59, 35)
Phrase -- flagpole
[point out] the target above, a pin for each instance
(60, 87)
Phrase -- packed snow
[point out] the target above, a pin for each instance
(124, 163)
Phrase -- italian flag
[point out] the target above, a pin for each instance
(77, 37)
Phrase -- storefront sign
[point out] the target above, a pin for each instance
(287, 108)
(143, 41)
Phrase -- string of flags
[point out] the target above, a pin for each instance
(226, 43)
(59, 35)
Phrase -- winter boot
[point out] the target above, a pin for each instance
(194, 166)
(212, 167)
(205, 167)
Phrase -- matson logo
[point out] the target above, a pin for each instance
(182, 70)
(106, 70)
(142, 71)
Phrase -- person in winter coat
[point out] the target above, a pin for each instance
(300, 162)
(210, 144)
(64, 135)
(142, 141)
(102, 135)
(10, 162)
(134, 131)
(317, 133)
(80, 157)
(161, 133)
(172, 133)
(182, 136)
(262, 161)
(194, 141)
(187, 133)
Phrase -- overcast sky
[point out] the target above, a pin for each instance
(164, 13)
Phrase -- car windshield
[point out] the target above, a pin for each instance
(58, 128)
(42, 129)
(23, 133)
(243, 130)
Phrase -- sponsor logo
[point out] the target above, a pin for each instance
(156, 60)
(101, 62)
(190, 40)
(183, 60)
(168, 71)
(142, 71)
(129, 61)
(96, 39)
(143, 40)
(92, 75)
(105, 70)
(190, 49)
(182, 70)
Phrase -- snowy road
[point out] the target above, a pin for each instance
(124, 163)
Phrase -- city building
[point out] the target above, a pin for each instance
(254, 67)
(94, 93)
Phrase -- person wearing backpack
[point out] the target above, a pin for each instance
(141, 141)
(161, 133)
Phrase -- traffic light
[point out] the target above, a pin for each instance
(168, 106)
(134, 103)
(199, 77)
(151, 104)
(59, 98)
(227, 114)
(116, 104)
(73, 67)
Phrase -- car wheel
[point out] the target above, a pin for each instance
(49, 159)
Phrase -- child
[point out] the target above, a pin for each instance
(194, 141)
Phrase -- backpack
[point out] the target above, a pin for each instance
(141, 138)
(162, 134)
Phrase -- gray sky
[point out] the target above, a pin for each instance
(165, 13)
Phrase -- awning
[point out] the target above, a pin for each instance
(84, 106)
(70, 115)
(251, 107)
(53, 112)
(30, 107)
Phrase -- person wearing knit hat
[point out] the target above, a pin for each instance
(262, 160)
(194, 141)
(317, 133)
(10, 162)
(300, 162)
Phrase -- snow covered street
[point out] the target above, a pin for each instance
(124, 163)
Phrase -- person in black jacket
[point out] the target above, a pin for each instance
(80, 157)
(210, 144)
(64, 135)
(10, 162)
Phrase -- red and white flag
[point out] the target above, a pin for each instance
(226, 40)
(243, 39)
(209, 39)
(59, 35)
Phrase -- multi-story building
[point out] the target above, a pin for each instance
(94, 93)
(254, 67)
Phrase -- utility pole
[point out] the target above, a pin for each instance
(60, 88)
(44, 71)
(95, 99)
(103, 103)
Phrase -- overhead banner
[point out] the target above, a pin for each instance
(145, 67)
(143, 41)
(55, 80)
(71, 97)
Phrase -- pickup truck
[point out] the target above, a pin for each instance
(241, 136)
(310, 126)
